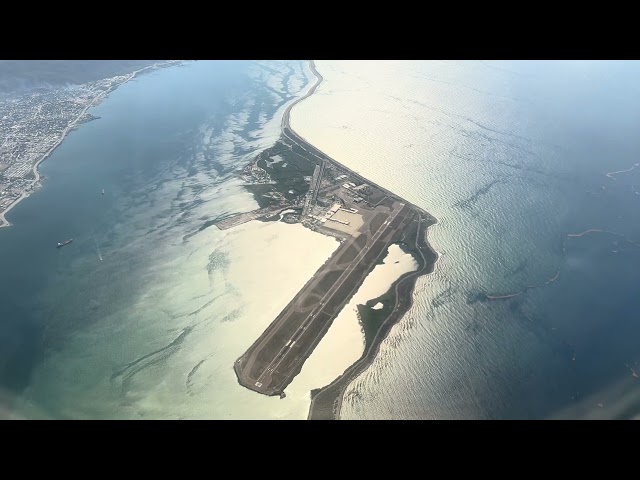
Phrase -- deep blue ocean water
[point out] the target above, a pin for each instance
(512, 158)
(513, 162)
(151, 151)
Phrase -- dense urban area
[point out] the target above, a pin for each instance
(34, 122)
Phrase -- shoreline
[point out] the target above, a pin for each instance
(286, 121)
(286, 125)
(326, 402)
(72, 125)
(332, 395)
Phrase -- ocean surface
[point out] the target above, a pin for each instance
(143, 315)
(516, 159)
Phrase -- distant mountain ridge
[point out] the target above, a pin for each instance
(28, 74)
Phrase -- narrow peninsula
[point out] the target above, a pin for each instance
(296, 182)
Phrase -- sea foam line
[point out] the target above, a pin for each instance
(612, 174)
(564, 256)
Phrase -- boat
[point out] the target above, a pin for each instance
(66, 242)
(103, 191)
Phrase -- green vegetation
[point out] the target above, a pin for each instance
(288, 169)
(371, 319)
(259, 191)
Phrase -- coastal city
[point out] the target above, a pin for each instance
(33, 123)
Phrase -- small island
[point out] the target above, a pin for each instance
(298, 183)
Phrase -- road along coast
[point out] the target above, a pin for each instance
(330, 198)
(79, 119)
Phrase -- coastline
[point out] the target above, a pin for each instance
(72, 125)
(286, 123)
(326, 402)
